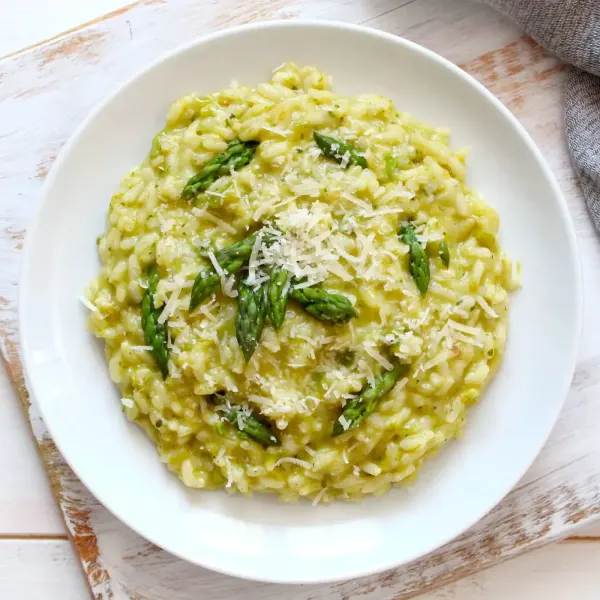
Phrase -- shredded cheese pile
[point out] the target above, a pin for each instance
(297, 242)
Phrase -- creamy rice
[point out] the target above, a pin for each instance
(346, 220)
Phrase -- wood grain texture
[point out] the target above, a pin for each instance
(26, 503)
(35, 570)
(48, 570)
(68, 75)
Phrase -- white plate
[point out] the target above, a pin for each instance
(261, 538)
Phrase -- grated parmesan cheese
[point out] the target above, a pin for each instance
(344, 422)
(127, 402)
(313, 151)
(306, 187)
(219, 222)
(401, 384)
(345, 159)
(299, 244)
(178, 324)
(464, 328)
(328, 393)
(346, 255)
(435, 361)
(364, 366)
(319, 496)
(382, 211)
(351, 198)
(293, 461)
(304, 284)
(215, 264)
(468, 340)
(217, 194)
(374, 353)
(229, 473)
(227, 286)
(205, 309)
(267, 205)
(338, 270)
(310, 340)
(486, 307)
(170, 306)
(252, 262)
(227, 282)
(279, 403)
(87, 303)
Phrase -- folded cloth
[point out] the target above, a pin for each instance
(570, 29)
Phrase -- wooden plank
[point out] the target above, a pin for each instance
(41, 569)
(50, 19)
(559, 493)
(591, 532)
(567, 570)
(26, 503)
(50, 570)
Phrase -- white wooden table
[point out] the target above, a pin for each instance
(36, 560)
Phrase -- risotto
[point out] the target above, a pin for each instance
(299, 293)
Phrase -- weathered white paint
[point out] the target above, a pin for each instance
(26, 502)
(46, 91)
(51, 18)
(49, 570)
(32, 570)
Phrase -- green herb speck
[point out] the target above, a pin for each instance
(346, 357)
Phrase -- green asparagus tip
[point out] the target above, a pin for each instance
(418, 261)
(339, 150)
(363, 405)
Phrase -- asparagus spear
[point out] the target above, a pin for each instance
(250, 317)
(250, 424)
(339, 150)
(324, 305)
(361, 406)
(419, 263)
(278, 292)
(445, 253)
(237, 155)
(231, 259)
(155, 333)
(246, 422)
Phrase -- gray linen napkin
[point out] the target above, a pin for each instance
(570, 29)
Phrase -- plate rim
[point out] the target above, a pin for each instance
(566, 219)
